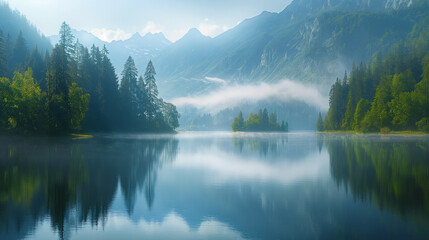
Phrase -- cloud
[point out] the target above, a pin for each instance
(121, 227)
(215, 80)
(109, 35)
(220, 167)
(231, 96)
(211, 30)
(151, 27)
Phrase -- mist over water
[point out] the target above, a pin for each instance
(235, 95)
(217, 185)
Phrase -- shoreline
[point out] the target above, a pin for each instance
(396, 133)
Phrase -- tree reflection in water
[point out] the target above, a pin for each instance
(74, 182)
(391, 172)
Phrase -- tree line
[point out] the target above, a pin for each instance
(389, 93)
(260, 122)
(74, 88)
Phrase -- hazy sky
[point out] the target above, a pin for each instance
(119, 19)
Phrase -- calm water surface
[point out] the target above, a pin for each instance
(216, 185)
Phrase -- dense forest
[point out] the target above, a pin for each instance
(260, 122)
(74, 88)
(389, 93)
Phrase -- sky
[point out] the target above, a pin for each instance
(119, 19)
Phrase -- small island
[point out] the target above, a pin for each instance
(261, 122)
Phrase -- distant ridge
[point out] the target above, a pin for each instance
(311, 41)
(12, 22)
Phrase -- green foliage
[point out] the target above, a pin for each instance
(263, 121)
(3, 56)
(337, 96)
(392, 92)
(28, 107)
(142, 109)
(78, 105)
(379, 114)
(319, 123)
(19, 53)
(423, 124)
(238, 123)
(362, 109)
(402, 108)
(171, 115)
(253, 122)
(24, 106)
(128, 91)
(6, 102)
(50, 101)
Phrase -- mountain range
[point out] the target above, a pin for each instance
(311, 41)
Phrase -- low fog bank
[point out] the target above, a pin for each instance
(235, 95)
(296, 103)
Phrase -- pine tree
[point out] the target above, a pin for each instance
(151, 90)
(319, 124)
(3, 56)
(142, 99)
(67, 40)
(94, 119)
(19, 53)
(128, 92)
(60, 76)
(110, 93)
(37, 63)
(264, 120)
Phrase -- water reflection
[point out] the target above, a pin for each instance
(391, 172)
(215, 186)
(173, 226)
(74, 182)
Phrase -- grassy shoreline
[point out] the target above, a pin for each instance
(376, 133)
(80, 136)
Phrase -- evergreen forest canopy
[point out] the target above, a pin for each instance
(74, 88)
(390, 93)
(261, 122)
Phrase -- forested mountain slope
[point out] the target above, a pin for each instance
(311, 41)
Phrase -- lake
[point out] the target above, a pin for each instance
(215, 185)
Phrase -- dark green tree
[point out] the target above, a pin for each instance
(19, 53)
(60, 77)
(171, 115)
(39, 66)
(151, 91)
(4, 70)
(110, 94)
(128, 92)
(319, 124)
